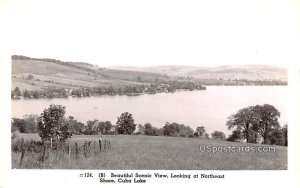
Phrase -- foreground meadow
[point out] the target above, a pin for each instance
(137, 152)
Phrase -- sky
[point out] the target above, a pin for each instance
(153, 32)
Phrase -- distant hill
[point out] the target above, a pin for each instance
(42, 73)
(39, 74)
(228, 72)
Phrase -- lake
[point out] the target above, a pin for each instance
(209, 108)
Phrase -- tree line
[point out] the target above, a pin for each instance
(81, 65)
(52, 123)
(250, 124)
(47, 93)
(152, 88)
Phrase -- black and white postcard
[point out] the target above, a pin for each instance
(143, 93)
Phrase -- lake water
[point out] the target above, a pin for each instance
(209, 108)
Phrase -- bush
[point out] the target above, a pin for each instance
(218, 135)
(149, 130)
(30, 145)
(17, 125)
(235, 136)
(26, 125)
(76, 126)
(277, 137)
(175, 129)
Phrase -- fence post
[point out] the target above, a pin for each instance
(22, 144)
(22, 156)
(84, 149)
(69, 151)
(89, 147)
(104, 144)
(44, 153)
(76, 150)
(100, 145)
(63, 151)
(94, 148)
(50, 153)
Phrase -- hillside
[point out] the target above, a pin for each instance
(39, 74)
(248, 72)
(54, 76)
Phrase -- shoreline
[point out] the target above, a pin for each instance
(139, 94)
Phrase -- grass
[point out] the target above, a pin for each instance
(163, 153)
(49, 74)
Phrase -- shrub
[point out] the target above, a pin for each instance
(30, 145)
(175, 129)
(235, 136)
(26, 125)
(218, 135)
(277, 137)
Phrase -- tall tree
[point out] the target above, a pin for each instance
(245, 122)
(104, 127)
(107, 127)
(92, 127)
(17, 91)
(76, 126)
(26, 94)
(267, 117)
(171, 129)
(125, 124)
(148, 129)
(53, 124)
(200, 131)
(255, 122)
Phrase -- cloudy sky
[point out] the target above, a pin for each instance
(154, 32)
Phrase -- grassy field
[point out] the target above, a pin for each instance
(162, 153)
(48, 74)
